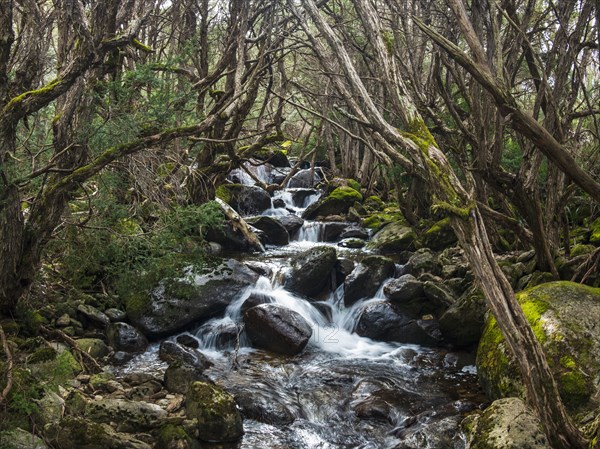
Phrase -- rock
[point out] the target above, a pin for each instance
(310, 271)
(384, 321)
(78, 433)
(436, 292)
(564, 318)
(115, 315)
(93, 315)
(393, 238)
(305, 179)
(439, 236)
(125, 337)
(256, 299)
(201, 294)
(273, 156)
(216, 411)
(354, 232)
(462, 324)
(366, 278)
(275, 232)
(188, 341)
(352, 243)
(336, 203)
(422, 261)
(129, 415)
(263, 408)
(278, 203)
(333, 230)
(220, 335)
(276, 328)
(50, 409)
(227, 237)
(93, 346)
(63, 321)
(506, 424)
(179, 376)
(170, 352)
(246, 200)
(302, 197)
(174, 437)
(21, 439)
(404, 289)
(595, 232)
(291, 223)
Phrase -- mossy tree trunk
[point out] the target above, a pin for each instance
(450, 195)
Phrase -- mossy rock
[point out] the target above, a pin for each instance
(41, 355)
(219, 420)
(337, 202)
(374, 203)
(394, 238)
(93, 346)
(595, 232)
(175, 437)
(439, 236)
(564, 318)
(582, 250)
(273, 156)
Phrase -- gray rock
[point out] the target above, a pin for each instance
(274, 231)
(125, 337)
(403, 289)
(438, 294)
(354, 232)
(462, 324)
(310, 271)
(216, 411)
(352, 243)
(333, 230)
(291, 223)
(129, 415)
(179, 376)
(171, 351)
(21, 439)
(177, 303)
(188, 341)
(93, 315)
(275, 328)
(93, 346)
(115, 315)
(366, 278)
(393, 238)
(506, 424)
(246, 200)
(422, 261)
(305, 179)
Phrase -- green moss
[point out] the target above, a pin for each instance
(377, 221)
(42, 355)
(580, 250)
(574, 388)
(354, 184)
(595, 232)
(142, 46)
(168, 436)
(41, 91)
(346, 194)
(374, 202)
(138, 303)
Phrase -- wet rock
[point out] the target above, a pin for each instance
(291, 223)
(273, 156)
(198, 296)
(278, 203)
(263, 269)
(125, 337)
(228, 238)
(216, 411)
(92, 315)
(21, 439)
(393, 238)
(404, 289)
(439, 236)
(337, 202)
(256, 299)
(276, 328)
(115, 315)
(246, 200)
(422, 261)
(564, 318)
(462, 324)
(506, 424)
(93, 346)
(170, 352)
(304, 179)
(220, 335)
(129, 415)
(188, 341)
(384, 321)
(174, 437)
(79, 433)
(310, 271)
(263, 408)
(343, 268)
(438, 294)
(273, 229)
(179, 376)
(366, 278)
(63, 321)
(352, 243)
(354, 232)
(300, 197)
(333, 230)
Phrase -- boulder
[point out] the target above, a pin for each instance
(188, 341)
(506, 424)
(201, 294)
(462, 324)
(422, 261)
(595, 232)
(276, 328)
(219, 420)
(301, 197)
(130, 416)
(273, 156)
(179, 376)
(385, 321)
(227, 237)
(273, 229)
(93, 346)
(170, 352)
(352, 243)
(336, 203)
(256, 299)
(291, 223)
(439, 236)
(305, 179)
(174, 436)
(246, 200)
(354, 232)
(407, 293)
(21, 439)
(79, 433)
(366, 278)
(125, 337)
(92, 315)
(310, 271)
(564, 318)
(439, 295)
(393, 238)
(263, 408)
(115, 315)
(333, 230)
(220, 334)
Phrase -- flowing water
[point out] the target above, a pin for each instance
(343, 390)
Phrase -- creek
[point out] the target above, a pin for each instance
(343, 390)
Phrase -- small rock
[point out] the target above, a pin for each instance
(188, 340)
(170, 351)
(93, 315)
(115, 315)
(179, 377)
(125, 337)
(93, 346)
(405, 288)
(63, 321)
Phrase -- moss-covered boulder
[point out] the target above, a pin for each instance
(377, 220)
(246, 200)
(595, 232)
(129, 415)
(564, 317)
(273, 156)
(310, 270)
(175, 437)
(393, 238)
(218, 417)
(201, 293)
(439, 236)
(337, 202)
(506, 424)
(20, 439)
(462, 324)
(93, 346)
